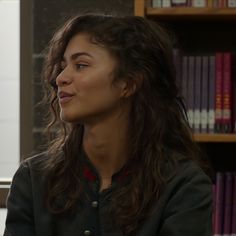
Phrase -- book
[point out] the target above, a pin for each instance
(166, 3)
(234, 105)
(211, 96)
(233, 225)
(148, 3)
(213, 205)
(204, 95)
(199, 3)
(184, 82)
(219, 205)
(210, 3)
(190, 92)
(215, 3)
(227, 100)
(197, 94)
(177, 55)
(218, 92)
(156, 3)
(179, 3)
(228, 201)
(231, 3)
(222, 3)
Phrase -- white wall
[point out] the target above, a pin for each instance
(9, 86)
(3, 214)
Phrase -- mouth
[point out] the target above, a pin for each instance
(64, 97)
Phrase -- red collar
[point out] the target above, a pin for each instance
(90, 173)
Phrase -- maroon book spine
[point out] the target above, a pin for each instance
(234, 93)
(234, 105)
(218, 92)
(219, 209)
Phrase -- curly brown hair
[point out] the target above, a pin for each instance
(159, 131)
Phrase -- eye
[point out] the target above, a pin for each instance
(80, 66)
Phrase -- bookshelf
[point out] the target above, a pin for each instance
(205, 32)
(201, 27)
(215, 138)
(193, 13)
(208, 13)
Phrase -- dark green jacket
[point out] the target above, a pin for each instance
(183, 209)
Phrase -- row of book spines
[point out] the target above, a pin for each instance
(208, 97)
(194, 3)
(224, 200)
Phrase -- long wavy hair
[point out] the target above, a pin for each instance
(159, 130)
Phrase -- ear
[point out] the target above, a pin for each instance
(131, 85)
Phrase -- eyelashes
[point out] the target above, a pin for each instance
(80, 66)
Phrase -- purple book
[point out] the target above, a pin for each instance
(178, 67)
(179, 3)
(228, 203)
(211, 96)
(233, 225)
(184, 80)
(214, 206)
(234, 93)
(190, 96)
(204, 94)
(219, 205)
(197, 93)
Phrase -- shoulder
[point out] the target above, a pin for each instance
(30, 170)
(184, 206)
(184, 169)
(189, 171)
(36, 162)
(189, 186)
(189, 174)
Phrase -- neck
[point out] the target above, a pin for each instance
(106, 144)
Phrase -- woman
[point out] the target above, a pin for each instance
(123, 161)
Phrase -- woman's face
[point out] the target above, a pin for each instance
(85, 89)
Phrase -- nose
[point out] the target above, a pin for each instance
(64, 78)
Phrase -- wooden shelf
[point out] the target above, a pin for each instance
(217, 138)
(192, 13)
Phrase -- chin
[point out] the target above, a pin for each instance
(68, 118)
(72, 118)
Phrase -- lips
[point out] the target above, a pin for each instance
(64, 97)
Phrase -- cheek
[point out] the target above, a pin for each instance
(94, 85)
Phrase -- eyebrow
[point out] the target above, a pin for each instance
(78, 54)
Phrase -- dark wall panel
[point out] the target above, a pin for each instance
(49, 15)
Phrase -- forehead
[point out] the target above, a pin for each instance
(82, 43)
